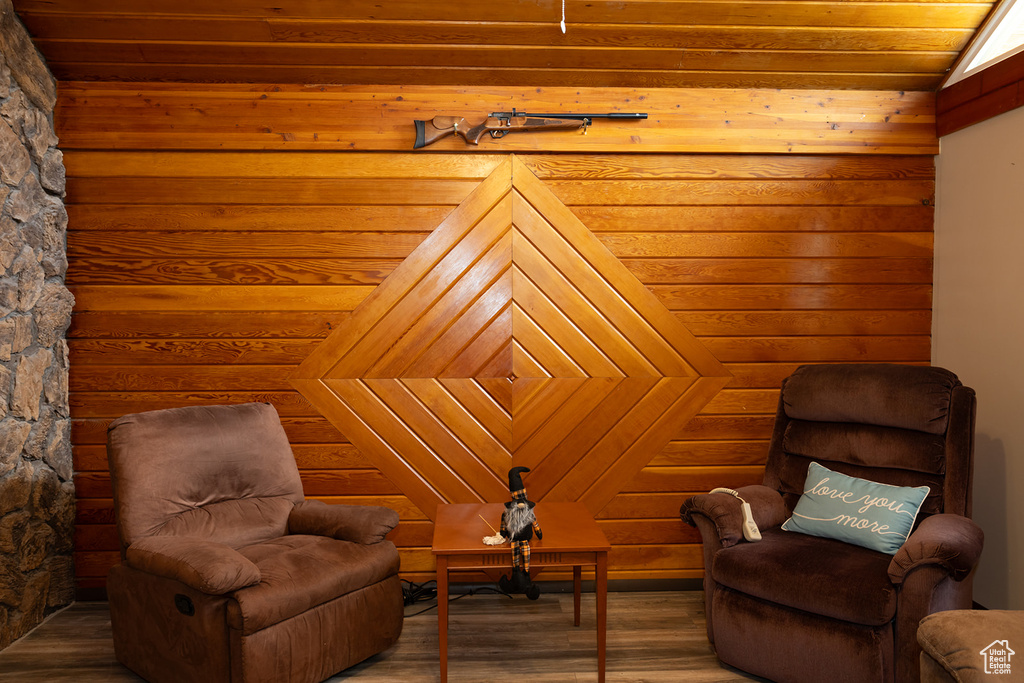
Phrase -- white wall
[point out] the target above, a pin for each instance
(978, 329)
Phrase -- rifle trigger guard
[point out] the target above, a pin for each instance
(498, 133)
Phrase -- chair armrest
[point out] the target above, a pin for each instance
(206, 566)
(366, 524)
(952, 541)
(723, 510)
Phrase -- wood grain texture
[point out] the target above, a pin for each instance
(870, 44)
(993, 91)
(656, 637)
(768, 260)
(154, 116)
(391, 377)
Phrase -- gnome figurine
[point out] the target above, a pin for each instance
(518, 525)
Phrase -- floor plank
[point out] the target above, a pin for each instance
(653, 637)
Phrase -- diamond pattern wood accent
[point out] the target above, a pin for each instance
(511, 336)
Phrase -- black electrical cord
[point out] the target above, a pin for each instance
(420, 592)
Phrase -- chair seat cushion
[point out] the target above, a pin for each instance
(817, 575)
(300, 572)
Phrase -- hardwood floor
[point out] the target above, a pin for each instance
(653, 637)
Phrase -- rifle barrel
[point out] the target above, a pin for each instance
(610, 115)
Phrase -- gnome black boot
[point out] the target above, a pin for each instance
(519, 583)
(533, 590)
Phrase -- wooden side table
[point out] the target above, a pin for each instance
(571, 539)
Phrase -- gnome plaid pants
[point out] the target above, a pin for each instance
(521, 554)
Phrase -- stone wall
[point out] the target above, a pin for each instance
(37, 501)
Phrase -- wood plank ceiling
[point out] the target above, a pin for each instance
(817, 44)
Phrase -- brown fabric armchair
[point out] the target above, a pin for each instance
(227, 572)
(971, 646)
(795, 607)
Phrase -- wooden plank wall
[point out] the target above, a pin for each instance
(868, 44)
(991, 92)
(214, 239)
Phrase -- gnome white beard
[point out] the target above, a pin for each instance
(518, 518)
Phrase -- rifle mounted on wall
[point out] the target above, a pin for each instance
(498, 124)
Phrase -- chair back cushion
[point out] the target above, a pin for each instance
(222, 473)
(893, 424)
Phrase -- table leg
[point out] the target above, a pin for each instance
(601, 579)
(577, 586)
(442, 614)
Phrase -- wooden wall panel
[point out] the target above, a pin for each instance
(158, 116)
(206, 276)
(867, 44)
(993, 91)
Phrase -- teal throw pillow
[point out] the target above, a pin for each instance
(858, 511)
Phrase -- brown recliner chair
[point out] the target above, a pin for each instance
(228, 573)
(971, 646)
(803, 608)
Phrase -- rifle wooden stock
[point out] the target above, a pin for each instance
(431, 131)
(438, 127)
